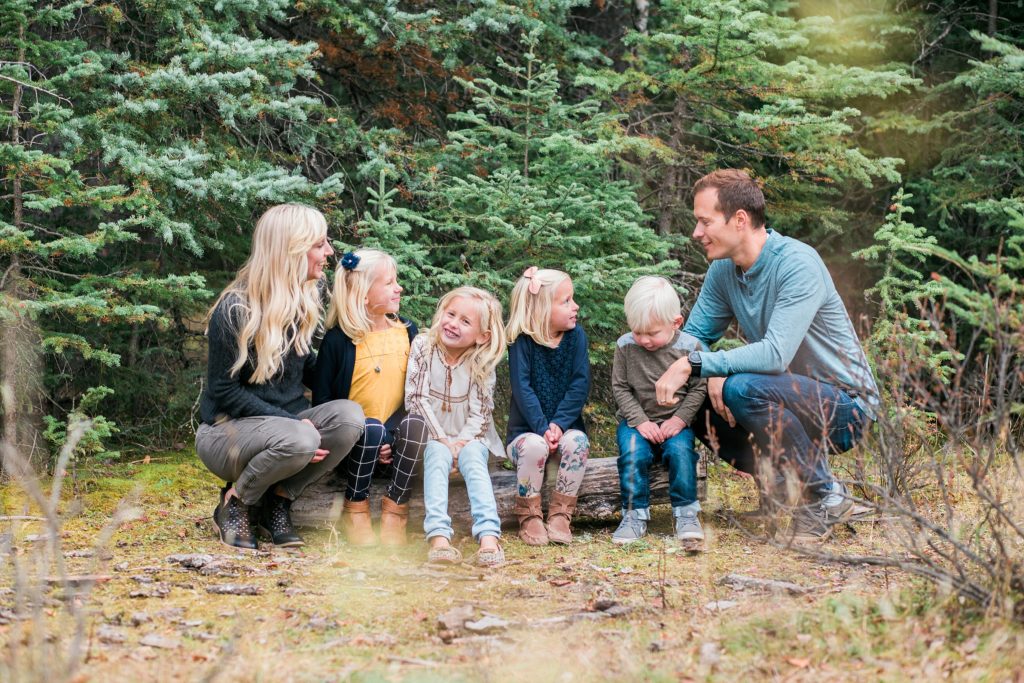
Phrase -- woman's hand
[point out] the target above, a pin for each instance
(320, 453)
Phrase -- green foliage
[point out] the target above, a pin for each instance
(905, 295)
(530, 179)
(979, 176)
(969, 241)
(471, 140)
(751, 84)
(138, 140)
(96, 428)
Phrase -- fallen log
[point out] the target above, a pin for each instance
(320, 504)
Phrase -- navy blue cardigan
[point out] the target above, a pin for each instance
(336, 362)
(535, 385)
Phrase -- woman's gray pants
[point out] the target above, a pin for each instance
(257, 453)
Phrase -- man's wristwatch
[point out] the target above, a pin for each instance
(694, 359)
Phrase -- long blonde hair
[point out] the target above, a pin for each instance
(348, 304)
(482, 358)
(529, 312)
(279, 308)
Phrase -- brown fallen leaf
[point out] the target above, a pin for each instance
(558, 583)
(799, 662)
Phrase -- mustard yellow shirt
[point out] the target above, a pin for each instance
(378, 378)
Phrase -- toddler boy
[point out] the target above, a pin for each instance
(646, 428)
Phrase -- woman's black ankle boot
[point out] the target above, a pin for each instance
(232, 520)
(276, 521)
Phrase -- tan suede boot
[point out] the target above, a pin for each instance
(531, 524)
(356, 525)
(393, 519)
(560, 511)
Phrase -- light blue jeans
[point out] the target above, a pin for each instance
(437, 463)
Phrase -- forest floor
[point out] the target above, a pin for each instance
(592, 611)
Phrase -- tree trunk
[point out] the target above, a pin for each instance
(10, 321)
(669, 197)
(643, 12)
(993, 15)
(599, 498)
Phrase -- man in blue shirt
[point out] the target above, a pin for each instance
(801, 386)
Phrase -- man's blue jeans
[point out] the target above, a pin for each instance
(635, 457)
(791, 418)
(437, 464)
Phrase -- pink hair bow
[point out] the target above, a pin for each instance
(529, 274)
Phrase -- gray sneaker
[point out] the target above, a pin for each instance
(631, 528)
(837, 505)
(809, 525)
(688, 526)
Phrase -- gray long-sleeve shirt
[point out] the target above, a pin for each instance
(635, 371)
(792, 316)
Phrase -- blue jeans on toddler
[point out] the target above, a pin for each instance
(437, 464)
(635, 457)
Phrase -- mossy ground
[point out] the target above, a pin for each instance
(328, 612)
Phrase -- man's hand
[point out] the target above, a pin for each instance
(384, 455)
(650, 431)
(553, 436)
(715, 385)
(320, 453)
(671, 381)
(671, 427)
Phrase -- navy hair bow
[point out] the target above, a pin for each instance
(349, 261)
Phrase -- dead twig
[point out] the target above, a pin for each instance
(741, 581)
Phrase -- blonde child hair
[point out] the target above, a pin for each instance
(483, 358)
(651, 301)
(348, 304)
(529, 311)
(278, 307)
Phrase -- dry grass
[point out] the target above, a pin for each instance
(332, 613)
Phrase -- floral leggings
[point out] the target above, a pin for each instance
(530, 454)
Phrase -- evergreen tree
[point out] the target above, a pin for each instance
(530, 179)
(137, 143)
(752, 84)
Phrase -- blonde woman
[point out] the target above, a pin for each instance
(451, 384)
(258, 432)
(363, 358)
(549, 368)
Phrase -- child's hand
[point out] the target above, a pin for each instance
(650, 431)
(384, 455)
(671, 427)
(456, 449)
(553, 436)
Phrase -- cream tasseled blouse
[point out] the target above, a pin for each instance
(455, 406)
